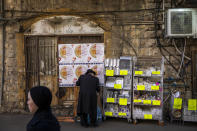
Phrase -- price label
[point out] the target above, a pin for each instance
(122, 114)
(156, 102)
(124, 72)
(140, 87)
(154, 87)
(117, 86)
(148, 116)
(147, 102)
(122, 101)
(137, 100)
(109, 72)
(177, 103)
(192, 104)
(156, 72)
(138, 72)
(108, 113)
(112, 100)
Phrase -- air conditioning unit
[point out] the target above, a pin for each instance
(181, 22)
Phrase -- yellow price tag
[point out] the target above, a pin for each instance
(147, 102)
(140, 87)
(156, 102)
(122, 114)
(148, 116)
(112, 100)
(109, 72)
(123, 101)
(154, 87)
(138, 72)
(156, 72)
(117, 86)
(192, 104)
(177, 103)
(108, 113)
(137, 100)
(123, 72)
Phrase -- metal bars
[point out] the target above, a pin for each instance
(41, 58)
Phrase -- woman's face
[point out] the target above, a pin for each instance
(31, 105)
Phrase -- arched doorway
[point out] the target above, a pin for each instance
(41, 51)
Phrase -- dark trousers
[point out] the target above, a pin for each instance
(84, 119)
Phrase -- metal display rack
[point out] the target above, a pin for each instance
(148, 89)
(176, 105)
(190, 110)
(117, 92)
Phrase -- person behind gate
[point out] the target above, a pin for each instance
(87, 100)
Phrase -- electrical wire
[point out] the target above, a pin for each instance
(158, 4)
(173, 42)
(182, 60)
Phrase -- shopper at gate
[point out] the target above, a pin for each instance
(39, 101)
(87, 101)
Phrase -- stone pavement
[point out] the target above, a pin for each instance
(17, 122)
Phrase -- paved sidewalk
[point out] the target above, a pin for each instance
(17, 122)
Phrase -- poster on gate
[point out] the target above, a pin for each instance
(75, 59)
(69, 74)
(81, 53)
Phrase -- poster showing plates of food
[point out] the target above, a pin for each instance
(99, 69)
(95, 52)
(65, 75)
(81, 53)
(75, 59)
(69, 74)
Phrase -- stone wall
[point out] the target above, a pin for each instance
(128, 25)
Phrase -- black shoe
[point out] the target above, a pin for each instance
(95, 125)
(86, 125)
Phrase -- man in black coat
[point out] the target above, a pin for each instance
(87, 101)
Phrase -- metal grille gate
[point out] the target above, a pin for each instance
(40, 58)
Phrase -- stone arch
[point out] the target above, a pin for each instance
(67, 12)
(61, 25)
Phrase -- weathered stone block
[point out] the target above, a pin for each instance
(135, 42)
(149, 34)
(150, 5)
(10, 62)
(147, 43)
(12, 97)
(11, 35)
(149, 52)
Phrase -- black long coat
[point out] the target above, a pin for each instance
(43, 121)
(87, 101)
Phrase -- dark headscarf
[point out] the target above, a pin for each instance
(41, 96)
(90, 71)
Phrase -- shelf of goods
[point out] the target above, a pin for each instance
(190, 110)
(176, 104)
(148, 89)
(117, 92)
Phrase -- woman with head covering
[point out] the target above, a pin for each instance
(87, 101)
(39, 101)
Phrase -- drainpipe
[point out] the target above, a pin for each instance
(3, 53)
(163, 7)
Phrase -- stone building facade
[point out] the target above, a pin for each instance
(128, 28)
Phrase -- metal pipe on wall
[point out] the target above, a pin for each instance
(163, 7)
(3, 52)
